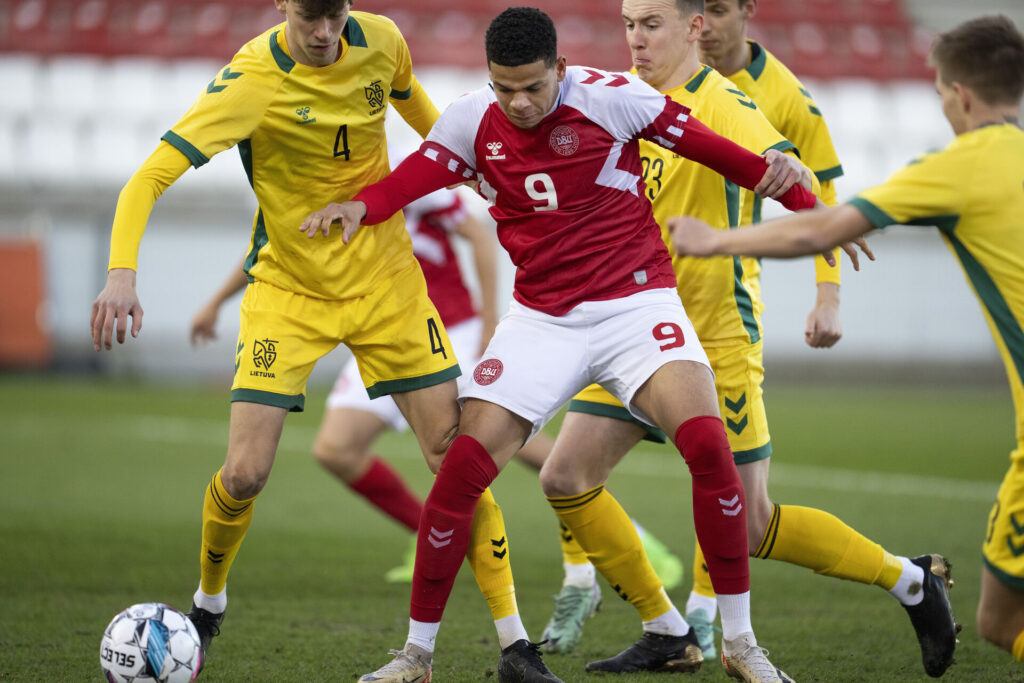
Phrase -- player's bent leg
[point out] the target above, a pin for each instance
(342, 447)
(343, 441)
(587, 448)
(446, 524)
(718, 501)
(1000, 615)
(228, 509)
(433, 415)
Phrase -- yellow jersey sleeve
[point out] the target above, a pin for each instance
(416, 108)
(164, 166)
(928, 188)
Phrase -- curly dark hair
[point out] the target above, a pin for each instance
(521, 35)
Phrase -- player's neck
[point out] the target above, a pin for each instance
(984, 116)
(734, 60)
(682, 73)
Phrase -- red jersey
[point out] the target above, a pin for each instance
(431, 220)
(568, 194)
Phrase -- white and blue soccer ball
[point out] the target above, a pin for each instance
(150, 643)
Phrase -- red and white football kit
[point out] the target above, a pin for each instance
(568, 197)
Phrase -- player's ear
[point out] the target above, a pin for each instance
(560, 68)
(749, 9)
(696, 26)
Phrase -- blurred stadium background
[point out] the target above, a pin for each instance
(88, 86)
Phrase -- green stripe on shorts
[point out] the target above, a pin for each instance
(753, 455)
(1009, 580)
(294, 404)
(618, 413)
(397, 386)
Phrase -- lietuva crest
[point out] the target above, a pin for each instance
(264, 353)
(374, 95)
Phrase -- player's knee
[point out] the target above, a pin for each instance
(557, 481)
(243, 482)
(341, 458)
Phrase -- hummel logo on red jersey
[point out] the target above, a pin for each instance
(440, 539)
(731, 507)
(494, 148)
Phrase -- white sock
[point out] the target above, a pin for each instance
(909, 590)
(211, 603)
(581, 575)
(423, 633)
(697, 601)
(735, 611)
(510, 629)
(671, 623)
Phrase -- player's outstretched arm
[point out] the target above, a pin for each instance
(801, 234)
(113, 306)
(118, 300)
(415, 177)
(204, 323)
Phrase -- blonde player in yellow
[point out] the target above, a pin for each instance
(305, 104)
(973, 192)
(723, 296)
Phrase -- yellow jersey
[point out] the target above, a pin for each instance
(788, 105)
(973, 192)
(721, 294)
(308, 136)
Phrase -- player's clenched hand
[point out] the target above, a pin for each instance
(348, 215)
(112, 307)
(783, 172)
(692, 236)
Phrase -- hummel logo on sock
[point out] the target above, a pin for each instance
(440, 539)
(731, 507)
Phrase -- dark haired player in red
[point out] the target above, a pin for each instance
(555, 150)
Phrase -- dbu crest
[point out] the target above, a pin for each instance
(264, 353)
(374, 95)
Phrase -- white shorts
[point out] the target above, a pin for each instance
(349, 392)
(536, 362)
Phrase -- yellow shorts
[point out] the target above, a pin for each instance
(739, 373)
(1003, 548)
(395, 335)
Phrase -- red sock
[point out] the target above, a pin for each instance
(445, 525)
(382, 486)
(719, 506)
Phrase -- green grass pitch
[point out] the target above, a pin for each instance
(101, 486)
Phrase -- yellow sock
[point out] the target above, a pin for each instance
(701, 577)
(488, 558)
(603, 529)
(572, 553)
(225, 521)
(1018, 647)
(820, 541)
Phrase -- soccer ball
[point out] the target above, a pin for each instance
(150, 642)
